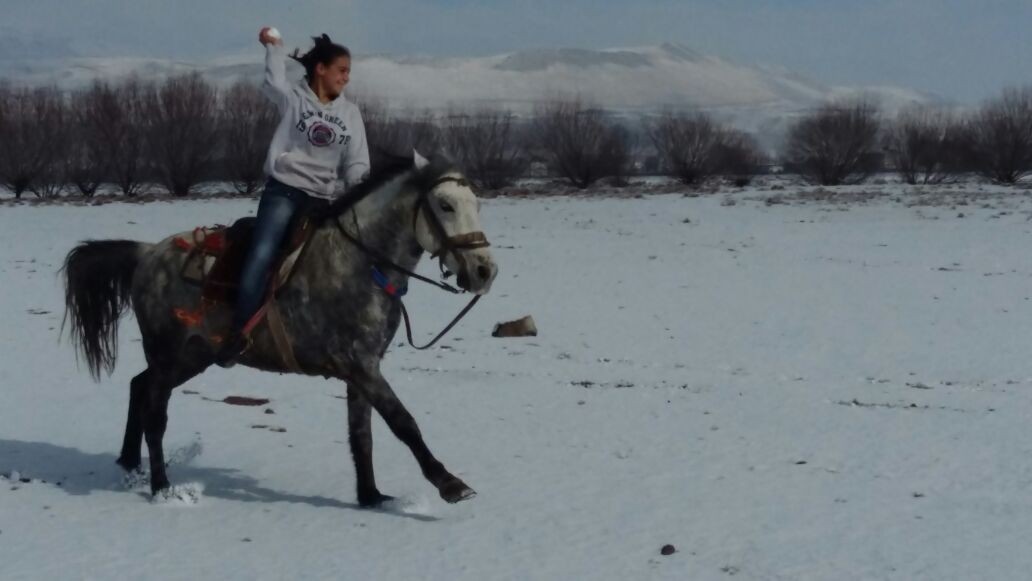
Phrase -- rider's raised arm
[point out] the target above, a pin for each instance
(275, 85)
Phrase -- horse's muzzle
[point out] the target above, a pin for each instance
(478, 273)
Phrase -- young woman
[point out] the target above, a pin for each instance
(318, 128)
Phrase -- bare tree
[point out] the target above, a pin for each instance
(88, 159)
(689, 144)
(182, 128)
(52, 122)
(113, 119)
(247, 120)
(581, 143)
(1001, 137)
(382, 135)
(960, 154)
(486, 146)
(421, 132)
(922, 144)
(738, 156)
(837, 144)
(32, 140)
(83, 167)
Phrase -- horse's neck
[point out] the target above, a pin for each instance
(385, 222)
(382, 222)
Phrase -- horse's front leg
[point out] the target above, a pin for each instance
(360, 436)
(378, 392)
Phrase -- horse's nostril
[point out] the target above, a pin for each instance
(483, 272)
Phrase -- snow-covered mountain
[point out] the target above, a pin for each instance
(628, 81)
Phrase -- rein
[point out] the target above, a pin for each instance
(447, 244)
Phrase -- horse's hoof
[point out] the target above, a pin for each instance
(456, 491)
(157, 488)
(374, 500)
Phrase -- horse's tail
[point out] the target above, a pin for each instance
(98, 281)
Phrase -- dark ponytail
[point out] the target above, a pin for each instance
(324, 52)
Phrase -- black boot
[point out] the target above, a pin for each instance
(232, 347)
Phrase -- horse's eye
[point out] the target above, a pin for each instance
(446, 207)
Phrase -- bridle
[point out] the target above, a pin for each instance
(446, 244)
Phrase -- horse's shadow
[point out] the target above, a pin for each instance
(80, 473)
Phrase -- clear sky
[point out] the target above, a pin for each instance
(962, 50)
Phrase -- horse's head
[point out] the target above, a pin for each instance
(447, 225)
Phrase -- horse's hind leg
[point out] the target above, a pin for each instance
(360, 436)
(130, 456)
(154, 416)
(194, 358)
(379, 393)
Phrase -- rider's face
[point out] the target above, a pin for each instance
(333, 77)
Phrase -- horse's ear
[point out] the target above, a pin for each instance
(420, 161)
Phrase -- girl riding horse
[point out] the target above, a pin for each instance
(318, 126)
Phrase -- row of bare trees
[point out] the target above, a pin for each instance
(495, 148)
(579, 142)
(176, 133)
(488, 144)
(845, 143)
(182, 131)
(839, 143)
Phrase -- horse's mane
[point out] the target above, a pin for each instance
(393, 166)
(390, 168)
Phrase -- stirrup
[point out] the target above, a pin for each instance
(234, 346)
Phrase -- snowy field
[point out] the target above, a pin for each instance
(784, 389)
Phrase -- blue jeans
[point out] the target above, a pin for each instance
(279, 206)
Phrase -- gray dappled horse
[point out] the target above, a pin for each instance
(340, 322)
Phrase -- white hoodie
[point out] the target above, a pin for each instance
(312, 137)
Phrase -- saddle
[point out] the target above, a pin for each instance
(216, 255)
(215, 261)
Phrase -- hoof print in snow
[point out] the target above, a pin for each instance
(180, 495)
(524, 327)
(667, 550)
(135, 479)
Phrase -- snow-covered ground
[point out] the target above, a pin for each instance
(799, 390)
